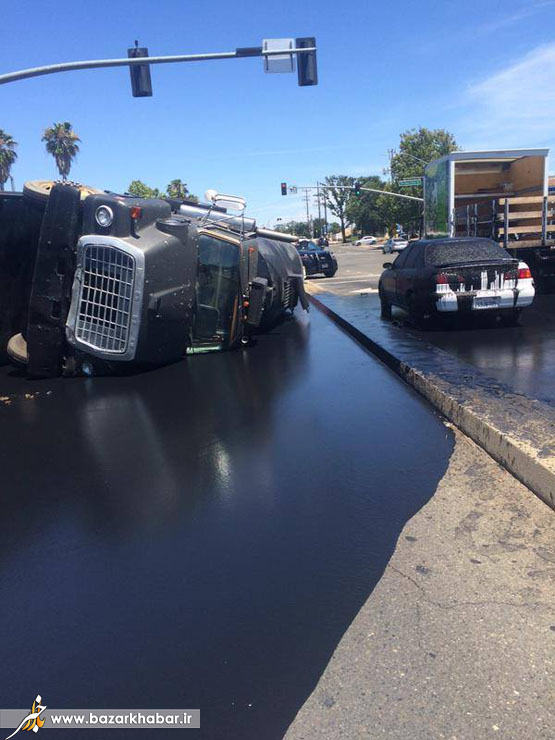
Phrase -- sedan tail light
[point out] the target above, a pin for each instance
(444, 278)
(524, 273)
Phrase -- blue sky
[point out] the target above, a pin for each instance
(483, 69)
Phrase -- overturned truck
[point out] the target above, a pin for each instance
(95, 283)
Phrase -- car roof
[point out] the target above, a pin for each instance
(463, 241)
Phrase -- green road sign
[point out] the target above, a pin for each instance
(410, 182)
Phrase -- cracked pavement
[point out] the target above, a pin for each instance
(457, 640)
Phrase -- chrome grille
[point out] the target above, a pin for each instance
(287, 291)
(104, 314)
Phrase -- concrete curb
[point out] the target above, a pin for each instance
(515, 430)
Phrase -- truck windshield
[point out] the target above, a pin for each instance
(217, 288)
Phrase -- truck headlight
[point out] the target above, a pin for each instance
(104, 216)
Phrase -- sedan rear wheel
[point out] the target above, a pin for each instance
(385, 305)
(415, 312)
(511, 317)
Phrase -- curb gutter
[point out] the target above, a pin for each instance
(515, 430)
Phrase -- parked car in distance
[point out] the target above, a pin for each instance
(316, 259)
(397, 244)
(364, 240)
(456, 275)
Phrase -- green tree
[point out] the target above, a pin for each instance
(297, 228)
(61, 141)
(141, 190)
(337, 197)
(417, 147)
(178, 189)
(8, 155)
(363, 210)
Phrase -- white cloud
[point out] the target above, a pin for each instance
(513, 107)
(531, 8)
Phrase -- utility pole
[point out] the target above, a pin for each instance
(390, 153)
(325, 212)
(319, 211)
(306, 191)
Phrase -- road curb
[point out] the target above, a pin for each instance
(515, 430)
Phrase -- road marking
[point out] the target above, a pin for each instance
(365, 290)
(351, 279)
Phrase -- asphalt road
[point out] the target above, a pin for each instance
(359, 269)
(201, 536)
(523, 357)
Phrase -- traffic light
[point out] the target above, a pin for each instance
(284, 188)
(306, 63)
(141, 85)
(358, 188)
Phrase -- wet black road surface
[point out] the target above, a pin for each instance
(202, 535)
(523, 357)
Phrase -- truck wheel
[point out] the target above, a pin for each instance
(385, 305)
(39, 190)
(329, 273)
(17, 349)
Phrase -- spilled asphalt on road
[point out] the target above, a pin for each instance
(201, 536)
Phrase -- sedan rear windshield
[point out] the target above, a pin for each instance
(479, 251)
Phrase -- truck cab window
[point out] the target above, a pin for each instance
(217, 288)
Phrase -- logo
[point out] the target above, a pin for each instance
(33, 720)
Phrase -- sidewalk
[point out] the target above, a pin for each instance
(457, 639)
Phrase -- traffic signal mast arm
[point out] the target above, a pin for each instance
(256, 51)
(368, 190)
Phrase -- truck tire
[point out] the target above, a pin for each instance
(38, 191)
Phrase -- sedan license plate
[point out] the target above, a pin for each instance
(486, 302)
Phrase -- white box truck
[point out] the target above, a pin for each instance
(503, 195)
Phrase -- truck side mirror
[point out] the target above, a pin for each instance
(257, 299)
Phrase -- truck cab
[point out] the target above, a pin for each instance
(102, 283)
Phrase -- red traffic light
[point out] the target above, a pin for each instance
(284, 188)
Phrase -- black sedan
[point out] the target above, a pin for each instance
(458, 275)
(316, 259)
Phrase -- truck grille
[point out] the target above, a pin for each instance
(104, 305)
(287, 293)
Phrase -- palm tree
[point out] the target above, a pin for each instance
(61, 141)
(177, 189)
(8, 155)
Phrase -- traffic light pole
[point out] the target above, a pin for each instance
(367, 190)
(252, 51)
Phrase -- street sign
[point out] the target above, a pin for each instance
(292, 188)
(410, 182)
(279, 62)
